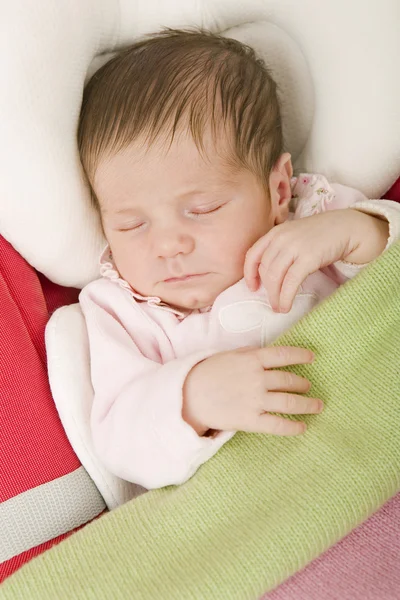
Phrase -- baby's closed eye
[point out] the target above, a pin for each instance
(132, 226)
(206, 209)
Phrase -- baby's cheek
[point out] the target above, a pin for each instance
(132, 269)
(238, 252)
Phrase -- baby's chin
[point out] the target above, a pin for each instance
(195, 295)
(191, 299)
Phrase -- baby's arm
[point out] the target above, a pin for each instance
(137, 425)
(386, 215)
(343, 235)
(148, 417)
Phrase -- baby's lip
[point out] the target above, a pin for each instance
(187, 277)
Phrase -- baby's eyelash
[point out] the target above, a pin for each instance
(132, 227)
(198, 213)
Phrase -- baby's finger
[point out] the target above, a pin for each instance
(274, 425)
(293, 279)
(273, 275)
(252, 262)
(291, 404)
(283, 381)
(274, 357)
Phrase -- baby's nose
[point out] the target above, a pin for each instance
(171, 242)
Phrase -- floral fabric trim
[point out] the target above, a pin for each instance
(310, 194)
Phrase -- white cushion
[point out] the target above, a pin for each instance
(69, 376)
(47, 47)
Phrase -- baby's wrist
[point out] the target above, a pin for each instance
(188, 404)
(369, 237)
(200, 429)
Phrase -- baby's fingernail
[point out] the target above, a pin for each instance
(251, 284)
(320, 406)
(312, 356)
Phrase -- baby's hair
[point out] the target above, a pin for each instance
(180, 79)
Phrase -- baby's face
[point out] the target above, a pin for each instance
(179, 226)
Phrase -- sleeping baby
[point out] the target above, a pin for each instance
(214, 250)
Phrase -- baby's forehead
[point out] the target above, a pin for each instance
(153, 188)
(178, 163)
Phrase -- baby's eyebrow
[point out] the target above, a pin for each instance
(122, 211)
(213, 188)
(119, 211)
(191, 192)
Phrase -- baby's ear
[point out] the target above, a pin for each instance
(280, 189)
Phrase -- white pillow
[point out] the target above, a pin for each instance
(47, 47)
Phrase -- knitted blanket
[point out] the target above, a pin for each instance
(264, 506)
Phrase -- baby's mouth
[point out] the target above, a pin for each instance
(183, 278)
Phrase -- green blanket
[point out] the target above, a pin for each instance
(263, 507)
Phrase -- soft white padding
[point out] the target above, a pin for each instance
(292, 75)
(46, 48)
(69, 375)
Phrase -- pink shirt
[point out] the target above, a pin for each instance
(141, 350)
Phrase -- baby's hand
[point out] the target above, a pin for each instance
(236, 391)
(289, 252)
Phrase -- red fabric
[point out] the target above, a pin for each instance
(394, 192)
(56, 295)
(33, 446)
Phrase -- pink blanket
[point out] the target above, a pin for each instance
(363, 566)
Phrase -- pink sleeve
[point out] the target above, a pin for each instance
(136, 420)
